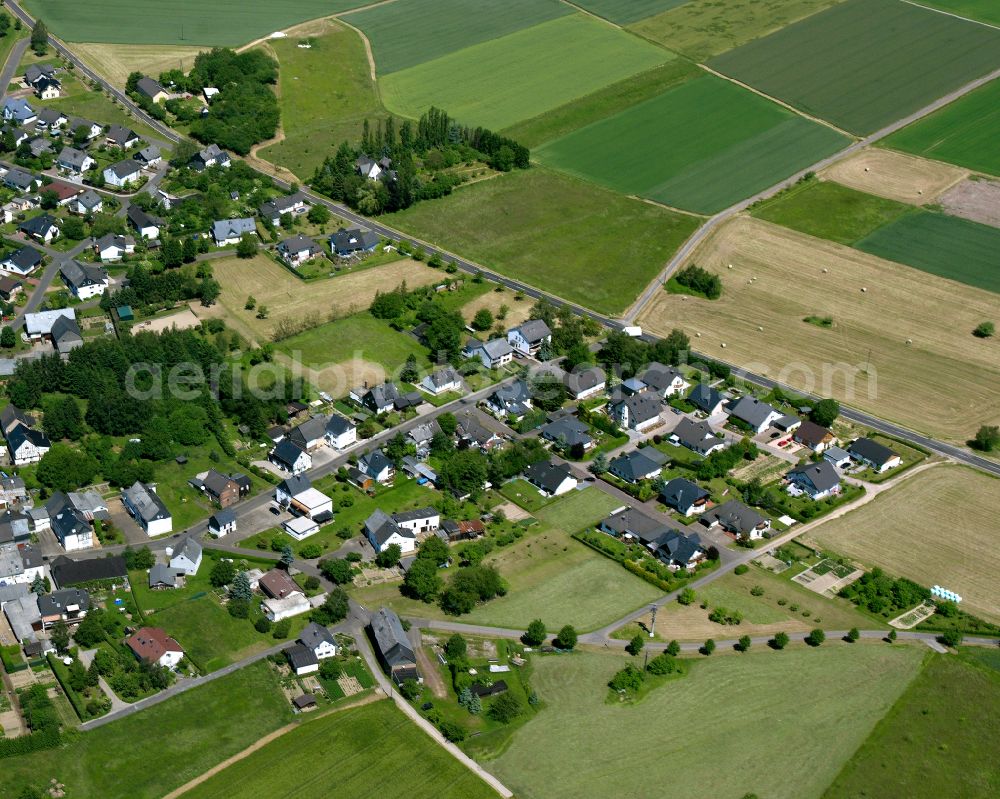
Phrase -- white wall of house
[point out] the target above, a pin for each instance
(74, 543)
(344, 440)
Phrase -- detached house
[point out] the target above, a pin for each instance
(811, 435)
(297, 495)
(118, 136)
(298, 250)
(222, 489)
(528, 338)
(50, 119)
(222, 523)
(112, 247)
(738, 519)
(186, 557)
(294, 204)
(310, 435)
(153, 645)
(697, 436)
(567, 432)
(345, 243)
(16, 109)
(123, 173)
(149, 157)
(638, 465)
(340, 432)
(395, 653)
(47, 88)
(35, 72)
(22, 181)
(551, 479)
(585, 382)
(285, 598)
(210, 156)
(816, 481)
(512, 400)
(151, 89)
(26, 444)
(871, 453)
(231, 231)
(638, 412)
(685, 497)
(69, 524)
(85, 281)
(74, 161)
(43, 228)
(754, 412)
(665, 381)
(66, 606)
(382, 531)
(442, 381)
(377, 466)
(141, 501)
(148, 227)
(22, 261)
(492, 354)
(290, 457)
(319, 640)
(382, 398)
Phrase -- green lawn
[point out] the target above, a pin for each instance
(940, 739)
(326, 93)
(942, 245)
(964, 132)
(335, 756)
(148, 754)
(583, 243)
(409, 32)
(357, 336)
(187, 22)
(523, 494)
(830, 211)
(983, 10)
(578, 510)
(623, 12)
(866, 63)
(521, 75)
(702, 146)
(818, 706)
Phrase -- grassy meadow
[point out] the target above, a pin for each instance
(954, 248)
(521, 75)
(581, 242)
(827, 64)
(963, 133)
(701, 146)
(185, 22)
(821, 704)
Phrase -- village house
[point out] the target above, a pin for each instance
(492, 354)
(67, 573)
(290, 457)
(302, 660)
(47, 88)
(664, 381)
(471, 432)
(319, 640)
(35, 72)
(153, 645)
(222, 523)
(284, 597)
(298, 249)
(149, 157)
(738, 519)
(151, 89)
(382, 531)
(212, 155)
(142, 502)
(162, 577)
(639, 464)
(753, 412)
(683, 496)
(43, 228)
(87, 127)
(12, 491)
(16, 109)
(422, 434)
(295, 204)
(57, 326)
(22, 261)
(27, 444)
(529, 338)
(639, 412)
(22, 181)
(340, 432)
(113, 247)
(70, 517)
(20, 563)
(877, 456)
(698, 437)
(373, 170)
(679, 551)
(124, 138)
(816, 480)
(65, 606)
(227, 232)
(385, 397)
(377, 466)
(840, 458)
(811, 435)
(74, 161)
(442, 381)
(512, 400)
(148, 227)
(186, 557)
(310, 435)
(50, 119)
(393, 648)
(585, 382)
(123, 173)
(85, 281)
(568, 432)
(551, 479)
(297, 495)
(223, 489)
(345, 243)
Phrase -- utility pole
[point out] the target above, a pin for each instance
(652, 624)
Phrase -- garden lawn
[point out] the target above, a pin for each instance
(830, 211)
(702, 146)
(964, 132)
(405, 33)
(820, 703)
(148, 754)
(866, 63)
(325, 92)
(578, 509)
(333, 755)
(522, 75)
(189, 22)
(524, 494)
(940, 739)
(623, 12)
(578, 241)
(955, 248)
(982, 10)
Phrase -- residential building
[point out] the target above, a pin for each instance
(278, 584)
(118, 136)
(22, 181)
(186, 556)
(340, 432)
(568, 432)
(442, 381)
(302, 660)
(35, 72)
(212, 155)
(67, 572)
(753, 412)
(222, 523)
(222, 489)
(47, 88)
(153, 645)
(393, 648)
(511, 400)
(382, 531)
(585, 382)
(149, 157)
(377, 466)
(418, 521)
(632, 524)
(473, 433)
(151, 89)
(71, 526)
(113, 247)
(289, 457)
(50, 119)
(295, 204)
(665, 381)
(679, 551)
(65, 606)
(551, 479)
(877, 456)
(345, 243)
(639, 412)
(230, 231)
(638, 465)
(319, 640)
(22, 261)
(16, 109)
(422, 434)
(310, 435)
(528, 338)
(492, 354)
(21, 612)
(162, 577)
(297, 495)
(74, 161)
(148, 227)
(813, 436)
(816, 480)
(383, 398)
(293, 605)
(87, 126)
(85, 281)
(736, 518)
(43, 228)
(123, 173)
(840, 458)
(27, 444)
(41, 326)
(683, 496)
(11, 416)
(698, 437)
(300, 527)
(298, 249)
(147, 508)
(20, 563)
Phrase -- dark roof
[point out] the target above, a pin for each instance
(67, 572)
(221, 518)
(811, 434)
(513, 397)
(140, 218)
(38, 225)
(751, 410)
(734, 516)
(674, 546)
(11, 414)
(216, 482)
(295, 484)
(19, 434)
(145, 501)
(120, 135)
(148, 87)
(696, 435)
(390, 638)
(314, 634)
(372, 463)
(124, 168)
(345, 242)
(641, 407)
(287, 451)
(303, 701)
(680, 493)
(534, 331)
(480, 690)
(871, 451)
(547, 475)
(301, 656)
(413, 515)
(584, 379)
(57, 602)
(638, 463)
(280, 205)
(569, 431)
(310, 430)
(659, 376)
(82, 274)
(277, 584)
(823, 476)
(636, 523)
(25, 258)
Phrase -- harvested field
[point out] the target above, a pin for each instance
(691, 623)
(288, 297)
(116, 61)
(978, 200)
(901, 531)
(866, 63)
(518, 311)
(895, 176)
(943, 383)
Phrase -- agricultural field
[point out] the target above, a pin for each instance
(701, 146)
(624, 12)
(830, 211)
(148, 754)
(116, 61)
(826, 63)
(895, 176)
(982, 10)
(939, 739)
(821, 704)
(701, 29)
(181, 22)
(978, 200)
(405, 33)
(326, 92)
(949, 246)
(554, 232)
(332, 755)
(963, 132)
(939, 383)
(521, 75)
(900, 531)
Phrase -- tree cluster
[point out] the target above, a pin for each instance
(700, 281)
(469, 586)
(879, 593)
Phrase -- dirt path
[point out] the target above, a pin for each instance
(261, 743)
(432, 675)
(368, 47)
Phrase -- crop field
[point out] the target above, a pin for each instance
(895, 176)
(148, 754)
(556, 233)
(332, 756)
(116, 61)
(326, 93)
(827, 64)
(405, 33)
(830, 211)
(901, 531)
(820, 703)
(949, 246)
(184, 22)
(521, 75)
(940, 738)
(623, 12)
(983, 10)
(940, 383)
(702, 28)
(964, 132)
(701, 146)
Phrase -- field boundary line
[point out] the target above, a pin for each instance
(782, 103)
(952, 14)
(589, 13)
(368, 52)
(648, 201)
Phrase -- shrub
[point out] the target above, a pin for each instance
(757, 590)
(282, 628)
(708, 647)
(744, 644)
(816, 637)
(238, 608)
(780, 641)
(741, 569)
(409, 689)
(452, 730)
(951, 638)
(627, 680)
(663, 663)
(673, 649)
(634, 647)
(686, 597)
(505, 708)
(329, 669)
(566, 639)
(853, 634)
(263, 624)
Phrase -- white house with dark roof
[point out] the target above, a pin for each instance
(393, 648)
(123, 173)
(84, 280)
(43, 228)
(151, 89)
(753, 412)
(298, 249)
(319, 640)
(492, 354)
(550, 478)
(377, 466)
(222, 522)
(295, 204)
(148, 227)
(528, 338)
(815, 480)
(638, 412)
(585, 382)
(698, 437)
(22, 261)
(442, 381)
(113, 247)
(231, 231)
(87, 202)
(510, 400)
(340, 432)
(142, 502)
(382, 531)
(212, 155)
(290, 457)
(119, 136)
(877, 456)
(737, 518)
(684, 496)
(638, 465)
(666, 381)
(27, 444)
(74, 161)
(149, 156)
(186, 557)
(345, 242)
(310, 435)
(17, 109)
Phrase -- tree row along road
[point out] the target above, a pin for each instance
(943, 448)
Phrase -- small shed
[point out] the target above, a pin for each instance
(304, 702)
(124, 313)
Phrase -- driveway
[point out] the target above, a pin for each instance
(122, 521)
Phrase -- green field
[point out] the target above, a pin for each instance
(556, 233)
(866, 63)
(831, 211)
(701, 146)
(942, 245)
(940, 739)
(521, 75)
(983, 10)
(964, 132)
(188, 22)
(623, 12)
(702, 28)
(146, 755)
(405, 33)
(578, 509)
(326, 93)
(336, 756)
(819, 705)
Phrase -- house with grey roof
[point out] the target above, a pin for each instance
(212, 155)
(151, 89)
(186, 557)
(123, 173)
(146, 225)
(74, 161)
(815, 480)
(310, 435)
(377, 466)
(678, 550)
(65, 606)
(632, 524)
(874, 455)
(753, 412)
(345, 243)
(88, 202)
(66, 335)
(550, 478)
(738, 519)
(441, 381)
(382, 531)
(142, 502)
(511, 400)
(638, 412)
(295, 204)
(43, 228)
(839, 457)
(393, 648)
(222, 522)
(162, 577)
(492, 354)
(473, 433)
(112, 247)
(698, 437)
(380, 398)
(666, 381)
(340, 431)
(319, 640)
(149, 156)
(528, 338)
(684, 496)
(639, 464)
(22, 613)
(567, 433)
(35, 72)
(27, 444)
(298, 249)
(118, 136)
(71, 526)
(22, 261)
(17, 109)
(585, 381)
(84, 280)
(231, 231)
(50, 119)
(290, 457)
